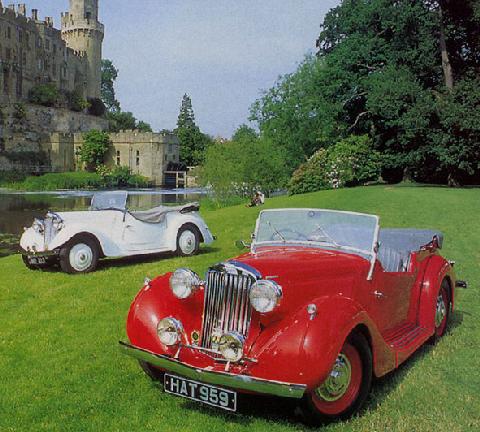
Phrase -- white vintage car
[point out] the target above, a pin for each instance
(77, 240)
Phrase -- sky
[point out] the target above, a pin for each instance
(222, 53)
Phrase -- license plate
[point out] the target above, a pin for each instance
(207, 394)
(37, 260)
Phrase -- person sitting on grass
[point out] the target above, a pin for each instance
(258, 199)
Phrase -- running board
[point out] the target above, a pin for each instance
(405, 339)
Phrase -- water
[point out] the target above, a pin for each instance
(18, 209)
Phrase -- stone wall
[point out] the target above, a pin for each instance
(144, 153)
(32, 135)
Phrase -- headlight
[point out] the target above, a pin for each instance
(169, 331)
(183, 283)
(265, 295)
(231, 346)
(38, 226)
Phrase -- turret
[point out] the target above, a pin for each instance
(83, 33)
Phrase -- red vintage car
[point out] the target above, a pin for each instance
(323, 302)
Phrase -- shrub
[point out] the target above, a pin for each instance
(96, 107)
(44, 94)
(350, 162)
(19, 111)
(76, 101)
(95, 146)
(120, 176)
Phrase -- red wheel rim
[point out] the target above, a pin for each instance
(347, 397)
(441, 312)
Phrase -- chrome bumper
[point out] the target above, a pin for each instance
(222, 379)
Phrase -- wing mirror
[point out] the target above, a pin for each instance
(240, 244)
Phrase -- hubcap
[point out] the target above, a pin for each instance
(187, 242)
(81, 257)
(441, 311)
(337, 383)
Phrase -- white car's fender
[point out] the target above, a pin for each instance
(108, 247)
(175, 221)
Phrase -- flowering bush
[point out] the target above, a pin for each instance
(350, 162)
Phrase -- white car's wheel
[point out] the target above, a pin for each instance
(188, 240)
(79, 255)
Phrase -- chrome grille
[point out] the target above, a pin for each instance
(227, 305)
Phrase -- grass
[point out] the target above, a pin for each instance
(61, 369)
(73, 180)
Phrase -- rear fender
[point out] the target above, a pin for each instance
(177, 220)
(437, 269)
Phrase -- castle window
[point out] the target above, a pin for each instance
(138, 158)
(170, 148)
(54, 48)
(166, 158)
(24, 59)
(8, 53)
(47, 44)
(6, 78)
(20, 35)
(9, 32)
(39, 64)
(118, 157)
(88, 16)
(39, 42)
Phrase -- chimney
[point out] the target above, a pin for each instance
(11, 7)
(35, 14)
(49, 21)
(22, 9)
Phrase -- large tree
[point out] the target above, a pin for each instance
(392, 69)
(193, 142)
(109, 76)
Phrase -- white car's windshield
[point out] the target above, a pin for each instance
(116, 200)
(324, 228)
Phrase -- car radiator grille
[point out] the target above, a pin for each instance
(227, 306)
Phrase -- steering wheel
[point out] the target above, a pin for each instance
(288, 234)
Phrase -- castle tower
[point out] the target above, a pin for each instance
(83, 33)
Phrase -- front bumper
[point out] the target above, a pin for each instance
(222, 379)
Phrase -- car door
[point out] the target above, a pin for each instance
(387, 297)
(142, 236)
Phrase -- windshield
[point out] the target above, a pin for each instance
(324, 228)
(116, 200)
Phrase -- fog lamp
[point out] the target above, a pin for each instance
(231, 346)
(169, 331)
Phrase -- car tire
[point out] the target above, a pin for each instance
(151, 371)
(80, 255)
(442, 311)
(188, 240)
(342, 399)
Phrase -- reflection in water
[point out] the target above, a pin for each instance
(17, 210)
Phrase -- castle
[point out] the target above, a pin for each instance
(39, 139)
(33, 51)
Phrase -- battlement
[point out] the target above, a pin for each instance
(69, 56)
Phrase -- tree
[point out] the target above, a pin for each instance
(193, 142)
(94, 148)
(244, 132)
(109, 76)
(388, 69)
(143, 127)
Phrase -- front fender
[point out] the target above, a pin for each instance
(109, 248)
(304, 349)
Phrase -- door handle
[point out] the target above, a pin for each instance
(379, 294)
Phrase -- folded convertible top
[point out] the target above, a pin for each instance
(157, 214)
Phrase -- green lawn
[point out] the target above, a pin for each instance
(61, 369)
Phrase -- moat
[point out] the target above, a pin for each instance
(18, 209)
